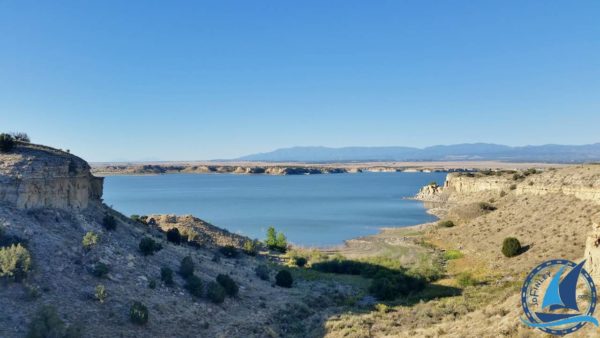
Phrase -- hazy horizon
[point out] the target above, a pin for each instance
(197, 80)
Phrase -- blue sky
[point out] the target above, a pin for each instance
(187, 80)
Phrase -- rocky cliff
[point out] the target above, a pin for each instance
(34, 176)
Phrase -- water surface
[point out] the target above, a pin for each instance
(312, 210)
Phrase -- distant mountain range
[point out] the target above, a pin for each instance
(458, 152)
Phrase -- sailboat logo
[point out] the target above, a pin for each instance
(559, 297)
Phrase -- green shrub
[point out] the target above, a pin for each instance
(7, 143)
(90, 239)
(138, 313)
(47, 324)
(388, 286)
(511, 247)
(21, 137)
(284, 279)
(465, 279)
(512, 187)
(101, 293)
(152, 284)
(230, 286)
(446, 224)
(15, 261)
(100, 270)
(300, 261)
(109, 222)
(251, 247)
(502, 193)
(453, 254)
(229, 251)
(174, 236)
(215, 292)
(186, 269)
(485, 206)
(194, 285)
(148, 246)
(166, 275)
(262, 271)
(276, 241)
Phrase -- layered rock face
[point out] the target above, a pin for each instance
(34, 176)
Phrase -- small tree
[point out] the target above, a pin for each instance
(281, 242)
(90, 239)
(109, 222)
(148, 246)
(250, 247)
(228, 284)
(511, 247)
(194, 285)
(166, 275)
(215, 292)
(7, 143)
(174, 236)
(284, 279)
(271, 240)
(138, 313)
(47, 323)
(186, 269)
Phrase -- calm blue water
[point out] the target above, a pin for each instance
(315, 210)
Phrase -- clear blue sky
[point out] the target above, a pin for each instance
(186, 80)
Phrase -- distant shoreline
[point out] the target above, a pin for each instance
(287, 168)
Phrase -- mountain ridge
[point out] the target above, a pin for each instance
(457, 152)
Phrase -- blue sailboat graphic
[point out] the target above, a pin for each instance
(561, 295)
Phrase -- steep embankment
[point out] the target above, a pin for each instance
(49, 201)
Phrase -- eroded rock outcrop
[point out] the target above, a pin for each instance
(34, 176)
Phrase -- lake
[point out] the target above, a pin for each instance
(311, 210)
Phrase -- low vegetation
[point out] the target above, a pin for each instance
(300, 261)
(194, 285)
(7, 143)
(511, 247)
(446, 224)
(229, 251)
(453, 254)
(284, 279)
(15, 261)
(262, 271)
(465, 279)
(230, 286)
(100, 270)
(485, 206)
(109, 222)
(166, 276)
(186, 269)
(148, 246)
(251, 247)
(47, 324)
(174, 236)
(90, 239)
(138, 313)
(100, 293)
(215, 292)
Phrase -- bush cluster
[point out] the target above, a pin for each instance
(230, 286)
(284, 279)
(485, 206)
(90, 239)
(100, 270)
(15, 261)
(194, 285)
(109, 222)
(388, 286)
(138, 313)
(46, 323)
(465, 279)
(511, 247)
(300, 261)
(186, 268)
(215, 292)
(148, 246)
(251, 247)
(7, 143)
(166, 275)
